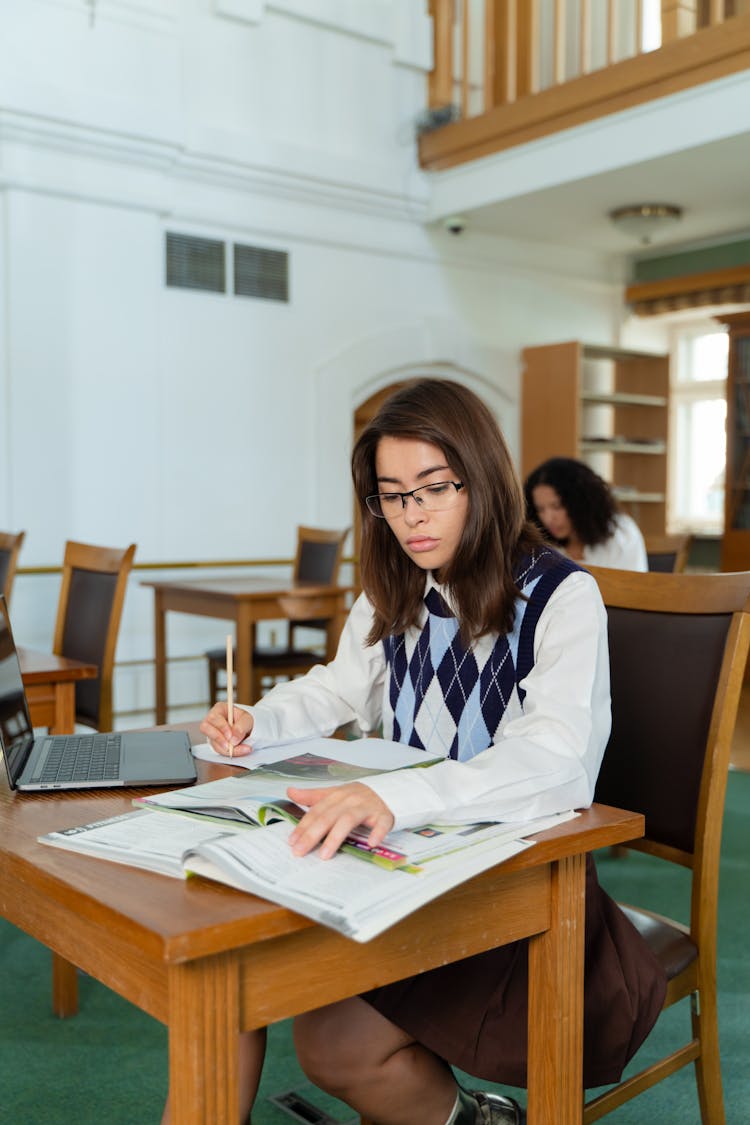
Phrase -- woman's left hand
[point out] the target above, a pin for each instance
(333, 813)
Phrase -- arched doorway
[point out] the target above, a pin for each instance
(351, 386)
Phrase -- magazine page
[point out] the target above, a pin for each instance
(375, 755)
(358, 901)
(244, 798)
(153, 841)
(258, 797)
(417, 845)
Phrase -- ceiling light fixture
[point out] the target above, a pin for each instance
(644, 221)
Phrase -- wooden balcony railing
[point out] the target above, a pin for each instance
(509, 71)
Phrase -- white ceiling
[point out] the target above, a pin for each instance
(710, 182)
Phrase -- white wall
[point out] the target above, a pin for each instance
(201, 425)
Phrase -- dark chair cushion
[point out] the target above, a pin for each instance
(662, 562)
(90, 601)
(673, 948)
(654, 766)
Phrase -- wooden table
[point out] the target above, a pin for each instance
(209, 961)
(50, 685)
(244, 601)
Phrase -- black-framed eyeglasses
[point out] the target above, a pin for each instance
(435, 497)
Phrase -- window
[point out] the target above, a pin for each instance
(698, 427)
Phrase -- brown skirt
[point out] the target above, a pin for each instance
(473, 1013)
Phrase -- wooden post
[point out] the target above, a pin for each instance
(558, 52)
(465, 60)
(528, 48)
(584, 35)
(612, 30)
(678, 18)
(501, 46)
(440, 87)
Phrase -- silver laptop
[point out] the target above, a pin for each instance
(80, 761)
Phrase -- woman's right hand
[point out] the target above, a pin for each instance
(225, 738)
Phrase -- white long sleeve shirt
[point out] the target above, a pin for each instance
(625, 548)
(546, 754)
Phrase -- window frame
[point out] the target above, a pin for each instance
(683, 392)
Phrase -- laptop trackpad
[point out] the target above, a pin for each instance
(157, 758)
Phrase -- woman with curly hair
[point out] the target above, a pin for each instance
(575, 509)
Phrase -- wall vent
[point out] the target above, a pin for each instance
(195, 263)
(259, 272)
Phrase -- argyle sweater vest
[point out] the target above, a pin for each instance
(449, 699)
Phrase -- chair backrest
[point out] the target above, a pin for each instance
(319, 554)
(678, 647)
(668, 553)
(10, 545)
(89, 609)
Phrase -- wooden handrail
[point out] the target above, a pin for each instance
(500, 94)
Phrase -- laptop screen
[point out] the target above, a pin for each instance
(16, 734)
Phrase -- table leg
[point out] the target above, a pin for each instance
(64, 987)
(160, 658)
(64, 974)
(65, 709)
(203, 1041)
(555, 1071)
(244, 661)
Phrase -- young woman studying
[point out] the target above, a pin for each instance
(575, 509)
(474, 639)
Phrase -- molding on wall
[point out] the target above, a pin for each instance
(158, 15)
(281, 172)
(412, 36)
(36, 131)
(406, 28)
(363, 19)
(243, 11)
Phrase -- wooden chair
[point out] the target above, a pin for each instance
(10, 546)
(317, 560)
(89, 609)
(678, 648)
(668, 553)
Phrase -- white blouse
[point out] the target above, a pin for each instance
(625, 548)
(547, 754)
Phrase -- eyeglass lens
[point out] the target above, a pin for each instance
(432, 497)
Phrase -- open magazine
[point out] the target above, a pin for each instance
(258, 798)
(360, 900)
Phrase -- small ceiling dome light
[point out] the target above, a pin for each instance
(645, 220)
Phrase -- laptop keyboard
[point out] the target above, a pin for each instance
(86, 757)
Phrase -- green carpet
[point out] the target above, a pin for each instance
(109, 1062)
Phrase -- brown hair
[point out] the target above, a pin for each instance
(496, 532)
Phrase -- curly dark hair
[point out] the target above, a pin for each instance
(586, 497)
(496, 534)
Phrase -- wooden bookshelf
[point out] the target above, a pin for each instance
(608, 407)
